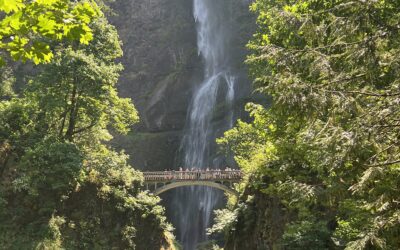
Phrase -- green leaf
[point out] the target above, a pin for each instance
(11, 5)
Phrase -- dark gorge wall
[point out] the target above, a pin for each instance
(161, 67)
(160, 60)
(259, 225)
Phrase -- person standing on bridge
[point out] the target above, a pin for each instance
(173, 175)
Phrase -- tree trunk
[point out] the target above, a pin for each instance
(72, 114)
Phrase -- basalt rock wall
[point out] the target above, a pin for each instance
(161, 67)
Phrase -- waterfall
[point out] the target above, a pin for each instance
(196, 204)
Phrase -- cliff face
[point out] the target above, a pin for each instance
(160, 60)
(159, 56)
(161, 67)
(259, 225)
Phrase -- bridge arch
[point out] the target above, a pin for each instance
(173, 185)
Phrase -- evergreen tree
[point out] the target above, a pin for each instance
(328, 146)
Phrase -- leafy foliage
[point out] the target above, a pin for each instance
(61, 185)
(225, 219)
(7, 80)
(310, 234)
(328, 146)
(27, 28)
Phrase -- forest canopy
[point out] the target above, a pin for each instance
(328, 147)
(61, 185)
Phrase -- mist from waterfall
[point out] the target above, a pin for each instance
(196, 204)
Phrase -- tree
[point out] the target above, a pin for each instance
(28, 28)
(61, 185)
(329, 144)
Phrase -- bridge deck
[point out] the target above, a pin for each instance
(203, 175)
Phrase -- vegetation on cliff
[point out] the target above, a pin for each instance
(61, 185)
(327, 150)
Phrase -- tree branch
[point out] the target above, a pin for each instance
(384, 164)
(85, 128)
(363, 93)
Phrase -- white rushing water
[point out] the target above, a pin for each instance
(217, 88)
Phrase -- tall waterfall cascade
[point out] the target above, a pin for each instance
(196, 204)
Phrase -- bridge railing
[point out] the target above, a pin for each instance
(214, 175)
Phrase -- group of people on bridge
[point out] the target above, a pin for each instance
(194, 174)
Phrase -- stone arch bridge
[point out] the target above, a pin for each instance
(159, 182)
